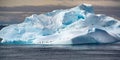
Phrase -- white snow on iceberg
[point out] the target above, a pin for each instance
(77, 25)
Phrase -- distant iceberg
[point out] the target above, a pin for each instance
(78, 25)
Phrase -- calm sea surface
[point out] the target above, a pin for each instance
(60, 52)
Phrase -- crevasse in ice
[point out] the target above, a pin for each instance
(77, 25)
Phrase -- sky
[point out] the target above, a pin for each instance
(12, 3)
(15, 11)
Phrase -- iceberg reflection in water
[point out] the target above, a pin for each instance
(60, 52)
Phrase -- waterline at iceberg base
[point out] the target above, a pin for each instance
(78, 25)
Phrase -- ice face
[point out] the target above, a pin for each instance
(77, 25)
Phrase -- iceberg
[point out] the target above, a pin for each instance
(77, 25)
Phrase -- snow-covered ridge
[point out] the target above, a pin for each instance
(77, 25)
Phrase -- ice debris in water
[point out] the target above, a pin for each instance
(77, 25)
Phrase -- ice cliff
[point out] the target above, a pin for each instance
(77, 25)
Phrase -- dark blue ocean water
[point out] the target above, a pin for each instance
(60, 52)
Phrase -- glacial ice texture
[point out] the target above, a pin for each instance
(77, 25)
